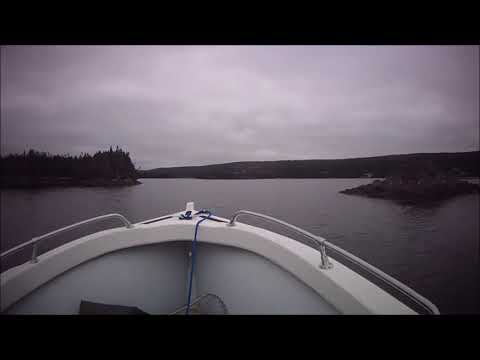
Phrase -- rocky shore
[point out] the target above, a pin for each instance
(415, 188)
(24, 182)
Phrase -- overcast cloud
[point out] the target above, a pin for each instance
(193, 105)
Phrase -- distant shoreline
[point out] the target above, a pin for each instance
(43, 183)
(462, 165)
(24, 182)
(35, 169)
(261, 178)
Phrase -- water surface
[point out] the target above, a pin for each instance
(433, 249)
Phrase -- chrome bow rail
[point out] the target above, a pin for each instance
(326, 264)
(36, 240)
(324, 244)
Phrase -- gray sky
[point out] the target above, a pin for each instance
(193, 105)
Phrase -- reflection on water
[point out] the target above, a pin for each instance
(433, 249)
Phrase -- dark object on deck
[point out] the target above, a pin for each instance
(92, 308)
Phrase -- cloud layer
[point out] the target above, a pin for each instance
(187, 105)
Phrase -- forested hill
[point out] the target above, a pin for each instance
(33, 168)
(460, 164)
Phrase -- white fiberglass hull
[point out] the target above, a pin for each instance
(253, 270)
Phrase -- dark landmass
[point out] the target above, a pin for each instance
(462, 164)
(415, 188)
(26, 182)
(36, 169)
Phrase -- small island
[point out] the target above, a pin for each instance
(418, 187)
(35, 169)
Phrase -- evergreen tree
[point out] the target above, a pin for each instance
(107, 164)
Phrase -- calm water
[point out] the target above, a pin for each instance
(432, 249)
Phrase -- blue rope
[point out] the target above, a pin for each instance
(186, 216)
(194, 242)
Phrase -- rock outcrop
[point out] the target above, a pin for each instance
(415, 188)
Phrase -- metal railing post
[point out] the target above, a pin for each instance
(35, 241)
(34, 253)
(325, 263)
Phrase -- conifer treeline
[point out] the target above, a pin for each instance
(111, 164)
